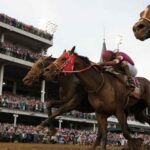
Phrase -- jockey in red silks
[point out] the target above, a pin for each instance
(111, 58)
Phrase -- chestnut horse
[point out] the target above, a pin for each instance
(76, 98)
(106, 94)
(141, 28)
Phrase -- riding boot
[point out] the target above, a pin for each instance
(130, 81)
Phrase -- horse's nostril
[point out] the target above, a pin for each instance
(140, 26)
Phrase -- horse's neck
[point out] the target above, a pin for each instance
(68, 82)
(91, 78)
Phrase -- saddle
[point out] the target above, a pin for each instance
(120, 75)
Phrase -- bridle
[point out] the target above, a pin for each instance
(145, 19)
(60, 68)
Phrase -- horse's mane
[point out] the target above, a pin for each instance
(86, 59)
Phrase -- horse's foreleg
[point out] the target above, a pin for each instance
(70, 105)
(50, 104)
(102, 131)
(98, 139)
(123, 123)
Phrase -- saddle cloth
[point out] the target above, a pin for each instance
(137, 90)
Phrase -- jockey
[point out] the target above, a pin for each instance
(111, 58)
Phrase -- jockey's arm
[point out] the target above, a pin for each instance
(110, 63)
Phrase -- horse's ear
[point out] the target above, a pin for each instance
(73, 49)
(49, 57)
(141, 14)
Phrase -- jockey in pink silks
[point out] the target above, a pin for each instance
(111, 58)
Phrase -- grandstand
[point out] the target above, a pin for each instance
(20, 46)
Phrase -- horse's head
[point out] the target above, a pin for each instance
(66, 63)
(141, 28)
(36, 72)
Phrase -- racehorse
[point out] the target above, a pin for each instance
(141, 28)
(75, 99)
(106, 94)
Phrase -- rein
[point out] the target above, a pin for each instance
(79, 71)
(70, 59)
(85, 69)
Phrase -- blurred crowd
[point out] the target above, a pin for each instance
(19, 52)
(27, 134)
(21, 133)
(33, 104)
(29, 28)
(21, 102)
(28, 103)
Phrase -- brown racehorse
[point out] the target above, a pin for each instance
(106, 94)
(141, 28)
(76, 98)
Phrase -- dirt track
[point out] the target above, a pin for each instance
(10, 146)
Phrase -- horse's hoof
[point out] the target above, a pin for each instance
(39, 128)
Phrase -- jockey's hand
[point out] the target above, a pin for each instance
(100, 65)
